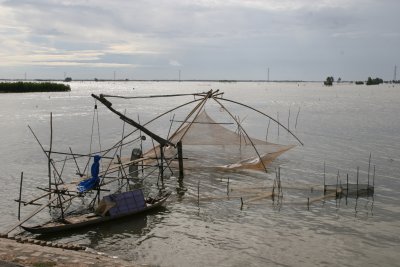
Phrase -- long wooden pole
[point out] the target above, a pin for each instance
(76, 163)
(108, 104)
(298, 112)
(44, 151)
(20, 195)
(180, 159)
(51, 146)
(369, 167)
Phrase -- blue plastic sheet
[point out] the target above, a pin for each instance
(90, 183)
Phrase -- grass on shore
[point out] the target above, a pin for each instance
(31, 87)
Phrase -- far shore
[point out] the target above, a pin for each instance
(33, 87)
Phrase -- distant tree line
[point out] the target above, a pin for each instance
(329, 81)
(30, 87)
(374, 81)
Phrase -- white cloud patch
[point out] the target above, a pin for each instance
(212, 37)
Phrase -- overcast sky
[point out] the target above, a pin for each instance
(205, 39)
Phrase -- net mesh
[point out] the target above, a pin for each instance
(207, 143)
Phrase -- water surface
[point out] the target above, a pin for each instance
(340, 125)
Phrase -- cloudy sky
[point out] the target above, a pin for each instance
(204, 39)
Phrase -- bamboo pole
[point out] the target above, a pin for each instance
(44, 151)
(180, 159)
(347, 186)
(369, 167)
(142, 138)
(227, 187)
(324, 179)
(198, 193)
(20, 195)
(358, 170)
(123, 133)
(277, 118)
(161, 163)
(50, 148)
(298, 112)
(76, 163)
(37, 198)
(337, 183)
(170, 126)
(373, 178)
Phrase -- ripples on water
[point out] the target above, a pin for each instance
(340, 126)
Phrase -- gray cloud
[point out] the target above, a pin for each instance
(233, 39)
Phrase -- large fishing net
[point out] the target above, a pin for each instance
(208, 143)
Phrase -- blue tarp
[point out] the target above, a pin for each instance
(126, 202)
(90, 183)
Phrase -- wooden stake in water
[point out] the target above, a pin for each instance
(277, 118)
(198, 193)
(347, 187)
(369, 166)
(50, 148)
(288, 120)
(324, 180)
(358, 170)
(20, 195)
(308, 203)
(180, 159)
(337, 183)
(373, 178)
(266, 137)
(227, 187)
(298, 112)
(279, 180)
(241, 201)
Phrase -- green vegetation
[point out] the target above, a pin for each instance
(374, 81)
(359, 82)
(68, 79)
(31, 87)
(329, 81)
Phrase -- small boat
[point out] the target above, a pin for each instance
(111, 207)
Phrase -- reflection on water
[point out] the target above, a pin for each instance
(340, 126)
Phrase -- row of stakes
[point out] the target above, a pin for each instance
(277, 184)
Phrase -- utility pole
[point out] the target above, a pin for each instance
(268, 74)
(114, 75)
(395, 73)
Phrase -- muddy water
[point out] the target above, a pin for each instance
(339, 125)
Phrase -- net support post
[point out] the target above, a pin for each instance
(180, 159)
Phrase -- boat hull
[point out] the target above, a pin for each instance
(87, 220)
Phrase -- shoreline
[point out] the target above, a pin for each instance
(33, 87)
(15, 253)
